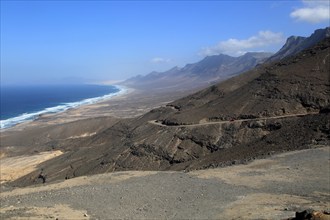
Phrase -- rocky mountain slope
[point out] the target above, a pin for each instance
(276, 107)
(205, 72)
(298, 84)
(295, 44)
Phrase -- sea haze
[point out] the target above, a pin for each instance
(22, 103)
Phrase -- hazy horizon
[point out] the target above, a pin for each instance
(91, 42)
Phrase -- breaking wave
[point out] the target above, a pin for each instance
(10, 122)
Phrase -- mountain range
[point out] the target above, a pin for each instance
(220, 67)
(295, 44)
(277, 106)
(205, 72)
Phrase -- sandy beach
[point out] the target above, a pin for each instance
(128, 104)
(83, 120)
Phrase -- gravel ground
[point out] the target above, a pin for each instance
(271, 188)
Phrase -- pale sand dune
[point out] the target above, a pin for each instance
(12, 168)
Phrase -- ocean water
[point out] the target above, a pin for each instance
(25, 103)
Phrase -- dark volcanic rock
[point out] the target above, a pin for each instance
(295, 44)
(325, 109)
(252, 104)
(295, 85)
(311, 214)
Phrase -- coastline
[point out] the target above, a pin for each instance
(27, 118)
(131, 102)
(81, 121)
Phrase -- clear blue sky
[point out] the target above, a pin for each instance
(94, 41)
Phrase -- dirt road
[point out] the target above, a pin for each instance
(155, 122)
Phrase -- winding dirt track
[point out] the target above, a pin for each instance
(155, 122)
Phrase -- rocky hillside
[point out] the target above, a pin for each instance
(205, 72)
(299, 84)
(276, 107)
(295, 44)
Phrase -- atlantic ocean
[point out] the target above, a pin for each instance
(24, 103)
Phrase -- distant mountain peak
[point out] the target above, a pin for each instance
(219, 67)
(325, 32)
(295, 44)
(294, 38)
(218, 55)
(258, 54)
(210, 69)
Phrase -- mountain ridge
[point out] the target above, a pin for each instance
(216, 68)
(200, 74)
(296, 88)
(295, 44)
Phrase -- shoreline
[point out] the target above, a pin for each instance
(131, 103)
(78, 122)
(27, 118)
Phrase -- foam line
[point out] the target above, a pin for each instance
(10, 122)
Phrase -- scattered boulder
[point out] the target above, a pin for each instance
(42, 176)
(325, 110)
(171, 122)
(256, 124)
(273, 126)
(310, 214)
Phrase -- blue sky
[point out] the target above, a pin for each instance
(95, 41)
